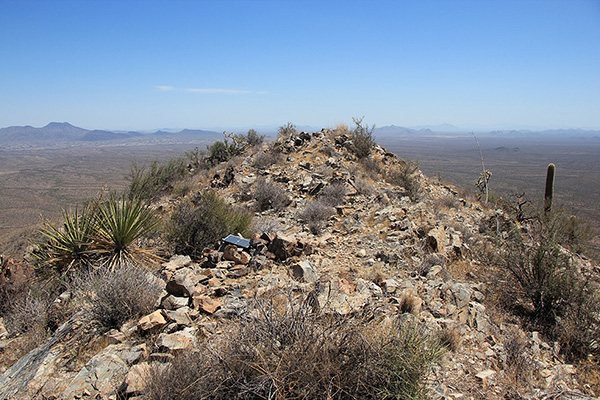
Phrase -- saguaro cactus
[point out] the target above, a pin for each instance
(549, 193)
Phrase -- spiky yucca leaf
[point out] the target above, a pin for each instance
(118, 224)
(68, 245)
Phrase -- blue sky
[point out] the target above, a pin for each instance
(206, 64)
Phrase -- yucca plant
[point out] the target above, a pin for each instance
(68, 246)
(118, 224)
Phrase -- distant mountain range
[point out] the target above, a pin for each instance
(393, 131)
(63, 133)
(60, 134)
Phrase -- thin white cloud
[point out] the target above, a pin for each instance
(165, 88)
(210, 90)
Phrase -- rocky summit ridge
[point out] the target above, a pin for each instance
(407, 247)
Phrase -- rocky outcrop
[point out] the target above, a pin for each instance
(28, 375)
(380, 254)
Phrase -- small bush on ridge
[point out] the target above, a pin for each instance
(203, 221)
(221, 151)
(111, 297)
(291, 351)
(149, 183)
(269, 195)
(333, 194)
(362, 138)
(315, 215)
(286, 131)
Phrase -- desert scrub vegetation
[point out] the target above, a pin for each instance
(315, 215)
(202, 221)
(361, 138)
(222, 151)
(111, 297)
(333, 194)
(286, 350)
(102, 232)
(269, 195)
(286, 131)
(547, 288)
(406, 175)
(150, 182)
(265, 159)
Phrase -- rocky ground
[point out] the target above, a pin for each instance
(387, 250)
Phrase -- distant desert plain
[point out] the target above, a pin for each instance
(46, 170)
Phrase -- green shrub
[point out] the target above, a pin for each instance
(203, 221)
(286, 131)
(151, 182)
(221, 151)
(253, 138)
(556, 298)
(362, 138)
(68, 246)
(406, 175)
(104, 232)
(118, 224)
(111, 297)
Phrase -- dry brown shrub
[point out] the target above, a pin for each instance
(450, 338)
(269, 195)
(111, 297)
(315, 215)
(333, 194)
(284, 350)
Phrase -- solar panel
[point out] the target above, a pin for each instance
(238, 241)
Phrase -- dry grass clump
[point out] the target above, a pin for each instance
(150, 182)
(341, 129)
(295, 353)
(111, 297)
(315, 215)
(266, 225)
(409, 303)
(519, 367)
(450, 338)
(269, 195)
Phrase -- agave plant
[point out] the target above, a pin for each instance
(69, 245)
(118, 224)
